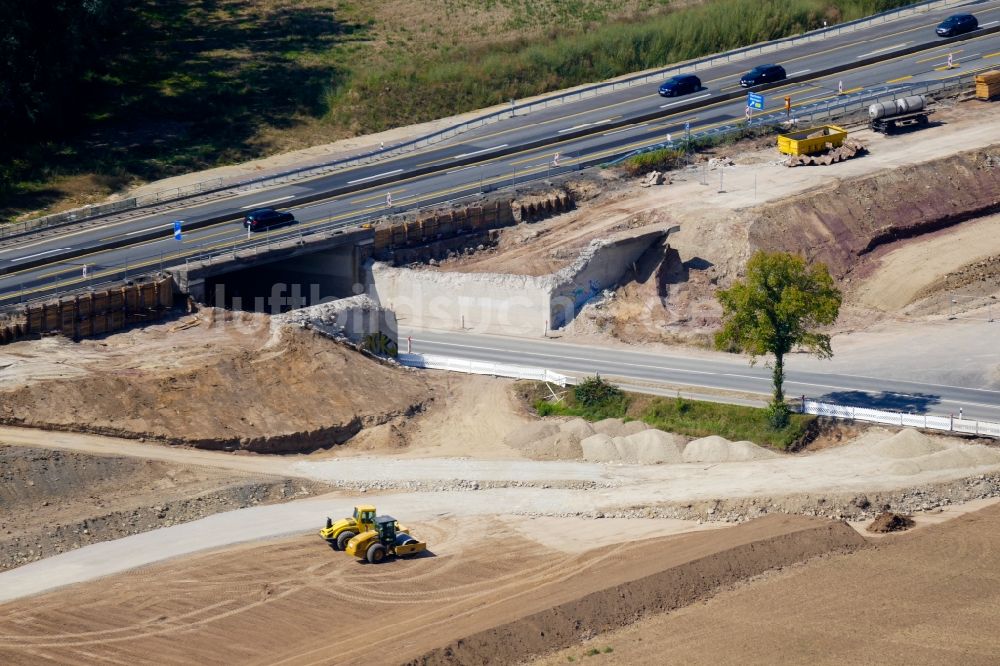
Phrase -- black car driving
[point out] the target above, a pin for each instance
(957, 24)
(682, 84)
(265, 218)
(762, 74)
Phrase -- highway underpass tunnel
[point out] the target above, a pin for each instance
(285, 285)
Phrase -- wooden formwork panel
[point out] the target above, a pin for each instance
(84, 305)
(85, 327)
(116, 300)
(383, 235)
(100, 324)
(165, 293)
(430, 227)
(147, 295)
(475, 217)
(131, 294)
(35, 318)
(51, 320)
(116, 320)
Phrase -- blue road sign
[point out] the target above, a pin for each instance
(177, 229)
(755, 101)
(687, 126)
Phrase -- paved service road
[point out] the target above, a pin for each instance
(714, 371)
(491, 172)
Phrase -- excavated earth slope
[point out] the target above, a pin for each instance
(848, 219)
(291, 391)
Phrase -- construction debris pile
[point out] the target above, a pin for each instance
(850, 148)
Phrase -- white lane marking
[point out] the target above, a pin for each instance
(986, 25)
(801, 71)
(264, 203)
(378, 175)
(40, 254)
(625, 129)
(876, 52)
(142, 231)
(570, 129)
(477, 152)
(465, 168)
(689, 99)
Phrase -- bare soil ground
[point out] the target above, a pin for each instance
(52, 501)
(297, 601)
(233, 384)
(922, 597)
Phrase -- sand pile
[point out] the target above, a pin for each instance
(551, 439)
(618, 427)
(908, 443)
(647, 447)
(715, 449)
(960, 456)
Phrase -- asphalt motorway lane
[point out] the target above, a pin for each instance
(490, 173)
(707, 370)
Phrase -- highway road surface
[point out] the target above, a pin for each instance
(488, 171)
(716, 371)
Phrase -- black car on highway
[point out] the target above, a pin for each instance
(762, 74)
(682, 84)
(265, 218)
(957, 24)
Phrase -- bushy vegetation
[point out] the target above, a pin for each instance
(693, 418)
(593, 399)
(696, 418)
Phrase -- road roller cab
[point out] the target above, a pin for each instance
(384, 540)
(337, 534)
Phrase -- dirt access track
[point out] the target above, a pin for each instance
(488, 592)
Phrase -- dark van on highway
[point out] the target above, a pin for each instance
(265, 218)
(682, 84)
(762, 74)
(958, 24)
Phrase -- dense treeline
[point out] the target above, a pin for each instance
(48, 52)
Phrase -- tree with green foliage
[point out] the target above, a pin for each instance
(778, 307)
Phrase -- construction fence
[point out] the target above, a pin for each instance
(902, 419)
(94, 312)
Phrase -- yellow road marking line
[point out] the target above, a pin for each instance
(902, 78)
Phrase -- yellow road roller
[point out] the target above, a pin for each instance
(386, 539)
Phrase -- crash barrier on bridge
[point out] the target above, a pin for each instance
(902, 419)
(93, 313)
(469, 367)
(445, 224)
(584, 92)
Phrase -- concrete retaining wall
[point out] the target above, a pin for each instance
(507, 304)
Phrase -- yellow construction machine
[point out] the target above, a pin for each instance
(337, 534)
(387, 538)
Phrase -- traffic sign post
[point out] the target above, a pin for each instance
(788, 106)
(840, 87)
(555, 160)
(388, 200)
(178, 234)
(951, 61)
(749, 112)
(755, 101)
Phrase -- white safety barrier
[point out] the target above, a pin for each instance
(469, 367)
(948, 423)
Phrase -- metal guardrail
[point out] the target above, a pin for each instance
(470, 367)
(828, 110)
(902, 419)
(218, 184)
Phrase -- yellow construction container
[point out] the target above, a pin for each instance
(812, 140)
(988, 84)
